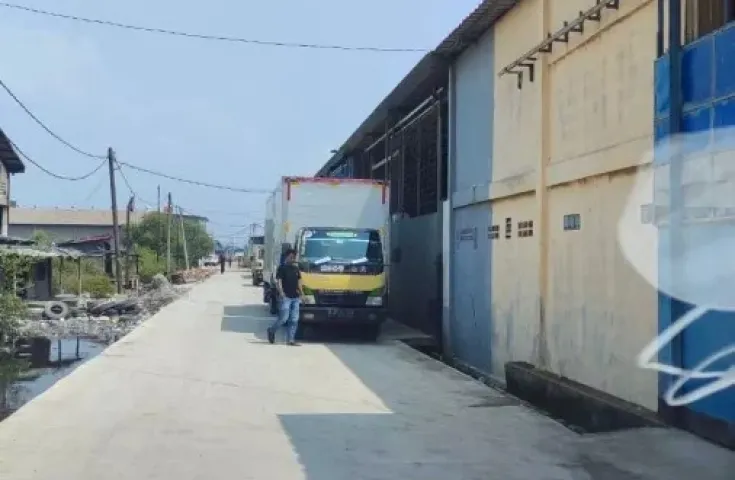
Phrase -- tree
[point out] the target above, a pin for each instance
(42, 238)
(12, 313)
(150, 234)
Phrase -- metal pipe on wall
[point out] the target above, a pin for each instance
(421, 106)
(660, 30)
(675, 168)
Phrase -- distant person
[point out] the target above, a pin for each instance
(221, 263)
(288, 282)
(229, 263)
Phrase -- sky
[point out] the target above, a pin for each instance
(223, 113)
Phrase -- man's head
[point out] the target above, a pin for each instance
(290, 256)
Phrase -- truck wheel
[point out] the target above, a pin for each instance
(370, 333)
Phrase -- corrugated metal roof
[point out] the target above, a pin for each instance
(82, 217)
(52, 252)
(430, 73)
(9, 157)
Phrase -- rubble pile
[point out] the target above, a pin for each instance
(192, 275)
(106, 320)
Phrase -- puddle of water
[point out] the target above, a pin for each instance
(37, 381)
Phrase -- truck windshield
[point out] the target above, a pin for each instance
(354, 246)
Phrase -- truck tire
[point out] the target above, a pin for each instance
(56, 310)
(370, 333)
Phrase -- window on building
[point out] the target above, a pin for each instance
(493, 233)
(705, 16)
(573, 221)
(508, 227)
(525, 229)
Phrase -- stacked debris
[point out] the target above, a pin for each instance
(107, 320)
(191, 276)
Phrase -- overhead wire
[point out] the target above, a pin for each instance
(193, 182)
(53, 174)
(94, 190)
(199, 36)
(44, 126)
(58, 137)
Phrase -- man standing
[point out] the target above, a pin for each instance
(222, 262)
(288, 282)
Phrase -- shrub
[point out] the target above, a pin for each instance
(98, 286)
(94, 279)
(148, 265)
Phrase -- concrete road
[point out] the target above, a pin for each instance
(196, 393)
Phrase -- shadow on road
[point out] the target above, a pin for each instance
(424, 429)
(253, 319)
(405, 415)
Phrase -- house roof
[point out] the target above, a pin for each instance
(430, 73)
(9, 157)
(78, 217)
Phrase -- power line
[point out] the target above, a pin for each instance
(193, 182)
(200, 36)
(104, 157)
(49, 172)
(94, 190)
(43, 125)
(142, 200)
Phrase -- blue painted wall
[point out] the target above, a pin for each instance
(472, 91)
(708, 88)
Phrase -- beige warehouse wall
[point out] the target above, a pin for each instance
(517, 116)
(517, 149)
(581, 131)
(515, 293)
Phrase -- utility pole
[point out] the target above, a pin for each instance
(128, 239)
(111, 162)
(168, 236)
(183, 237)
(160, 223)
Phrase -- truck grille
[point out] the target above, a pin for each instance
(343, 299)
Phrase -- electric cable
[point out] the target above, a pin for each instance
(193, 182)
(199, 36)
(94, 190)
(44, 126)
(49, 172)
(104, 157)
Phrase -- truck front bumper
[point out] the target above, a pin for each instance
(312, 314)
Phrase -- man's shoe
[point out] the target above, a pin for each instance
(294, 344)
(271, 336)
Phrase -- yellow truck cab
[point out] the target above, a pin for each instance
(343, 276)
(340, 231)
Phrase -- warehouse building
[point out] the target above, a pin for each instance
(548, 109)
(66, 224)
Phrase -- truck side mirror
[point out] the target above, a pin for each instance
(395, 255)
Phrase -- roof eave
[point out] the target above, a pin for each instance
(436, 63)
(9, 157)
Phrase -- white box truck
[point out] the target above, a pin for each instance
(339, 229)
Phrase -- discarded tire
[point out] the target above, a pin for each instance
(56, 310)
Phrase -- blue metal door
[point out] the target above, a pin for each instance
(471, 327)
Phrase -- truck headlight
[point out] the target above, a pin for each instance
(374, 302)
(308, 300)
